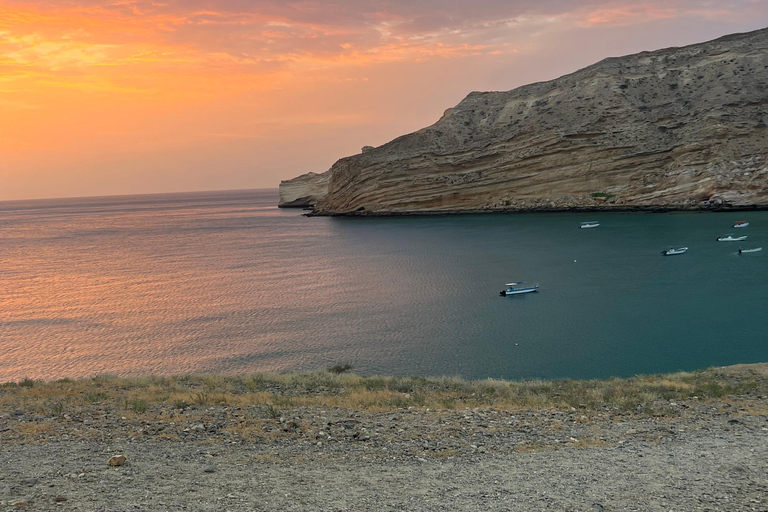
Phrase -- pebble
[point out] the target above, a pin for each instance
(116, 460)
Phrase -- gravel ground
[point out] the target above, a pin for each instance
(696, 455)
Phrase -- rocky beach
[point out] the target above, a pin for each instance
(323, 441)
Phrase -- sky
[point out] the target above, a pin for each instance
(111, 97)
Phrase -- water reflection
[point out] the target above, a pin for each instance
(227, 282)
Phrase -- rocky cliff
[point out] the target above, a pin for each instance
(679, 128)
(304, 190)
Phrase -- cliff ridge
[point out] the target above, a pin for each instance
(678, 128)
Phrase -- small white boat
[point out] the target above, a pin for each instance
(754, 249)
(589, 224)
(672, 251)
(730, 238)
(518, 288)
(740, 224)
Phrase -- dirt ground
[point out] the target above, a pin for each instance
(708, 455)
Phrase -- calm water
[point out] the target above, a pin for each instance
(226, 282)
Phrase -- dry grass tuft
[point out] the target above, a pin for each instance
(271, 394)
(531, 447)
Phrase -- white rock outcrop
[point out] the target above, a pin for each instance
(304, 190)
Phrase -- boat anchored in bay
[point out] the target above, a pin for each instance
(740, 224)
(589, 224)
(730, 238)
(754, 249)
(517, 288)
(672, 251)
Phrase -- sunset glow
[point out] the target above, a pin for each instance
(134, 96)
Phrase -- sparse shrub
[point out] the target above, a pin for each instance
(714, 390)
(399, 402)
(180, 404)
(447, 403)
(104, 378)
(283, 400)
(201, 398)
(27, 383)
(93, 396)
(375, 383)
(139, 406)
(628, 404)
(494, 388)
(272, 412)
(340, 368)
(400, 385)
(255, 383)
(57, 408)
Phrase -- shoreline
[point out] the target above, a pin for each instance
(570, 209)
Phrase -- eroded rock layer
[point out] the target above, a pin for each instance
(304, 190)
(678, 128)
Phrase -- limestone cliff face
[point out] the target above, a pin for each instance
(304, 190)
(676, 128)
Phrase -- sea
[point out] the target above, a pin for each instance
(226, 282)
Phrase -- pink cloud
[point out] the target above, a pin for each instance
(628, 15)
(277, 30)
(80, 78)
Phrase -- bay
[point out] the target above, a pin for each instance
(226, 282)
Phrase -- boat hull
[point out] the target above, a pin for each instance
(504, 293)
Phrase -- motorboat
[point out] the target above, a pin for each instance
(740, 224)
(672, 251)
(518, 288)
(730, 238)
(754, 249)
(589, 224)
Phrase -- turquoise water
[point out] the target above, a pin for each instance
(227, 282)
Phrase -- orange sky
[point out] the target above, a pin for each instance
(132, 96)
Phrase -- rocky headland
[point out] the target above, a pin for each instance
(673, 129)
(304, 190)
